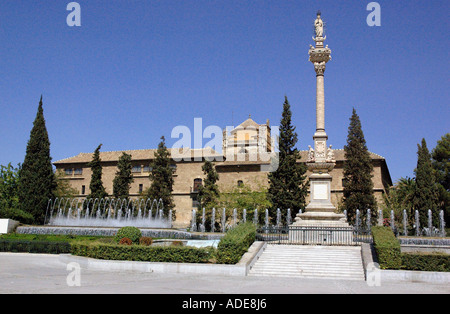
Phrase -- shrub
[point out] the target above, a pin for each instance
(426, 262)
(125, 241)
(133, 233)
(147, 241)
(17, 215)
(27, 246)
(169, 254)
(387, 247)
(235, 243)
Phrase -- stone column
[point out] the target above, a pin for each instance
(320, 104)
(320, 211)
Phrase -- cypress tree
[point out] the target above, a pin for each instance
(36, 178)
(287, 185)
(96, 185)
(123, 179)
(426, 193)
(208, 193)
(358, 168)
(161, 178)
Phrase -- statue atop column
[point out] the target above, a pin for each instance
(318, 25)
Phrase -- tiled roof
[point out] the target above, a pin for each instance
(141, 154)
(147, 154)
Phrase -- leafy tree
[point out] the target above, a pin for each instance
(123, 179)
(63, 187)
(161, 178)
(287, 185)
(37, 180)
(401, 197)
(96, 185)
(9, 181)
(426, 192)
(358, 168)
(243, 197)
(441, 164)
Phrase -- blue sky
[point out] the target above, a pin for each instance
(136, 69)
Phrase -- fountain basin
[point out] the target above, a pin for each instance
(101, 231)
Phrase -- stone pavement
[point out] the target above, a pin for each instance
(40, 273)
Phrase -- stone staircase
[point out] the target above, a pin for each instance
(330, 262)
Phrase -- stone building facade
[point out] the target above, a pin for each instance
(239, 164)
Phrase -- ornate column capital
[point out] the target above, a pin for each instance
(319, 57)
(319, 67)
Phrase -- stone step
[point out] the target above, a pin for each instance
(306, 270)
(310, 262)
(311, 275)
(300, 272)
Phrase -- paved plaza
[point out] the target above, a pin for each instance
(40, 273)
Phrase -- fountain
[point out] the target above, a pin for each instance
(106, 213)
(255, 217)
(442, 223)
(224, 220)
(392, 221)
(380, 217)
(430, 224)
(278, 217)
(266, 221)
(288, 217)
(213, 219)
(194, 221)
(417, 223)
(405, 223)
(358, 220)
(203, 225)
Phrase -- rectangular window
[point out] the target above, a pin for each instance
(141, 188)
(147, 169)
(136, 169)
(197, 184)
(78, 171)
(83, 190)
(68, 171)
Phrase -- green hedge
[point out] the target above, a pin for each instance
(235, 243)
(426, 262)
(170, 254)
(43, 247)
(387, 247)
(390, 257)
